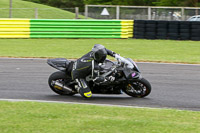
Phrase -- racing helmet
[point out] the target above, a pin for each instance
(99, 53)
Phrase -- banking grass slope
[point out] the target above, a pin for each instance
(23, 117)
(139, 50)
(44, 12)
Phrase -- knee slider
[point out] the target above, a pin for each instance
(85, 92)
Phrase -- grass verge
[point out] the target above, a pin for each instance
(23, 117)
(139, 50)
(28, 10)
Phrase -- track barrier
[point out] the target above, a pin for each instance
(172, 30)
(91, 28)
(65, 28)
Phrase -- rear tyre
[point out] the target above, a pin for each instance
(138, 89)
(62, 78)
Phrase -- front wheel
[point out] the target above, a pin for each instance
(61, 78)
(139, 88)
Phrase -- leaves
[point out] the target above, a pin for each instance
(81, 3)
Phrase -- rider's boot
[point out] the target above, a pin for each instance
(84, 89)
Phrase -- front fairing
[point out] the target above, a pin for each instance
(135, 65)
(131, 74)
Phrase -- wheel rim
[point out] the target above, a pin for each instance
(136, 89)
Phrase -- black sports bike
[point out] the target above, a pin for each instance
(120, 76)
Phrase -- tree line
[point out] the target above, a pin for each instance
(81, 3)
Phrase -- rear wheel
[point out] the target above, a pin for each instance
(62, 78)
(139, 89)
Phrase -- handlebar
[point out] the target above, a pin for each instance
(119, 59)
(108, 73)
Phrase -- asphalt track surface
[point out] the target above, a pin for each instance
(173, 85)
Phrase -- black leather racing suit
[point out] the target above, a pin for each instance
(84, 66)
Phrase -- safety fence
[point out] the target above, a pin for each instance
(65, 28)
(140, 12)
(173, 30)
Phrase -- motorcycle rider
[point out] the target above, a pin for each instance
(88, 64)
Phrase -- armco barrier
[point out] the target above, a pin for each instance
(65, 28)
(174, 30)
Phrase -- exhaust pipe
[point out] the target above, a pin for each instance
(60, 86)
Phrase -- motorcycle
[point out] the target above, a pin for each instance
(120, 76)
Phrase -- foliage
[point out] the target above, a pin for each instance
(190, 3)
(81, 3)
(121, 2)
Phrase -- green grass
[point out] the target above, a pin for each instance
(139, 50)
(26, 117)
(47, 13)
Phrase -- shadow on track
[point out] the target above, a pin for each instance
(105, 99)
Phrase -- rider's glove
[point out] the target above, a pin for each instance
(99, 79)
(113, 54)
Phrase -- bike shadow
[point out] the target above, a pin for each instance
(95, 97)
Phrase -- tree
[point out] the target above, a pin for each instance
(190, 3)
(81, 3)
(121, 2)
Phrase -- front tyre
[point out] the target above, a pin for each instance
(139, 88)
(62, 78)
